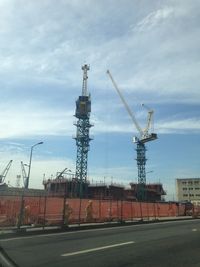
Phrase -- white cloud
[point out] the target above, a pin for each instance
(32, 120)
(154, 18)
(179, 126)
(53, 46)
(191, 125)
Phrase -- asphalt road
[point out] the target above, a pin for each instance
(162, 244)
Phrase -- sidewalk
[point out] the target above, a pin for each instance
(28, 230)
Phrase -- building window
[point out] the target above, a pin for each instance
(190, 182)
(191, 195)
(185, 189)
(184, 182)
(197, 188)
(197, 195)
(185, 195)
(196, 182)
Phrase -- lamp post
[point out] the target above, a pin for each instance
(21, 213)
(29, 169)
(65, 218)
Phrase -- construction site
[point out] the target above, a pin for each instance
(77, 184)
(69, 194)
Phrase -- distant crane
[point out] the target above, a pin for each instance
(24, 174)
(5, 172)
(144, 136)
(60, 174)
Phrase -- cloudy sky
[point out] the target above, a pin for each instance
(152, 50)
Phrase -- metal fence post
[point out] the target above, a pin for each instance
(131, 211)
(99, 209)
(63, 223)
(141, 215)
(158, 210)
(154, 209)
(110, 213)
(179, 210)
(117, 211)
(39, 208)
(79, 214)
(147, 210)
(45, 208)
(21, 212)
(121, 210)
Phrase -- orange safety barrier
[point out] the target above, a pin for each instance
(48, 210)
(196, 211)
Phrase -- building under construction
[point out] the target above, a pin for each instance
(71, 188)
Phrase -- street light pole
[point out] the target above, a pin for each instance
(20, 218)
(29, 169)
(64, 202)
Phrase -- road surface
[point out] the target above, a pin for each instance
(161, 244)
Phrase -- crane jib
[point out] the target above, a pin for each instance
(145, 136)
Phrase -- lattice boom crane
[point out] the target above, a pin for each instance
(144, 136)
(5, 172)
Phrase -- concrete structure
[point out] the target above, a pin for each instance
(153, 192)
(71, 188)
(188, 189)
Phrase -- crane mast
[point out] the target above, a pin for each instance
(85, 69)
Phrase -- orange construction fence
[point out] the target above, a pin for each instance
(46, 210)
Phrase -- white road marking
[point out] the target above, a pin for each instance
(91, 230)
(96, 249)
(194, 230)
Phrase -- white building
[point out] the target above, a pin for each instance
(188, 189)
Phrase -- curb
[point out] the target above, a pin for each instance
(73, 228)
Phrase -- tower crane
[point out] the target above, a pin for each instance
(83, 110)
(145, 135)
(24, 174)
(5, 172)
